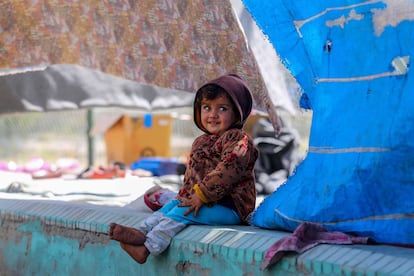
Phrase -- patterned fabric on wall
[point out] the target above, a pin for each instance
(174, 44)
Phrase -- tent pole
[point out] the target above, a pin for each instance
(90, 138)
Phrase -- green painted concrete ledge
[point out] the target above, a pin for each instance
(61, 238)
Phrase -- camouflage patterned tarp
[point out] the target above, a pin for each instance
(172, 44)
(175, 44)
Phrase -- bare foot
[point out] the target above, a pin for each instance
(138, 252)
(126, 234)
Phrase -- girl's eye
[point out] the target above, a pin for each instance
(223, 108)
(205, 107)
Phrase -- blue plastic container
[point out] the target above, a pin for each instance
(156, 165)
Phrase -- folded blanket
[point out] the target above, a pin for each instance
(306, 236)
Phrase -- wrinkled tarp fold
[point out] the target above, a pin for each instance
(67, 86)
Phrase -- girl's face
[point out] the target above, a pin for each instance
(217, 115)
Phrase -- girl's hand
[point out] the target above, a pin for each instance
(194, 204)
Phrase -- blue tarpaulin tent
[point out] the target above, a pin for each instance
(352, 60)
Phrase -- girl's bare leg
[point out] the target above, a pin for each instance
(127, 235)
(138, 252)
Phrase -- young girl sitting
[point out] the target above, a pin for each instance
(219, 184)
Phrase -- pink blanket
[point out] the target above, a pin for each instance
(306, 236)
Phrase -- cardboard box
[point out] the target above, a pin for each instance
(128, 138)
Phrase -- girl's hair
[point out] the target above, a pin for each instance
(211, 92)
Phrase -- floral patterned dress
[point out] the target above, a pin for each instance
(223, 167)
